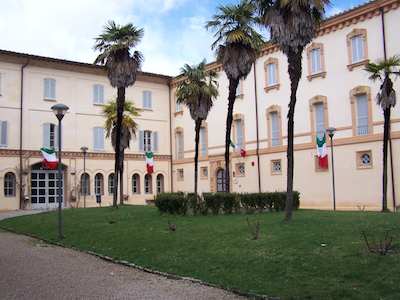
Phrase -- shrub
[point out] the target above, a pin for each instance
(229, 202)
(213, 202)
(172, 203)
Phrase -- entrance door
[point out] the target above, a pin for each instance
(44, 189)
(221, 181)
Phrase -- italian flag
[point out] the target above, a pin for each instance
(322, 152)
(236, 148)
(149, 162)
(50, 160)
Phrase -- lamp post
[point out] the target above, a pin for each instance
(84, 150)
(331, 132)
(60, 110)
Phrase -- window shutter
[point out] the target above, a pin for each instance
(46, 135)
(56, 137)
(203, 141)
(53, 88)
(319, 119)
(101, 94)
(150, 104)
(239, 133)
(154, 140)
(274, 128)
(3, 140)
(45, 88)
(362, 114)
(141, 140)
(1, 84)
(95, 94)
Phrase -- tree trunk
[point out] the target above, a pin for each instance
(294, 70)
(233, 84)
(196, 154)
(120, 111)
(121, 177)
(386, 114)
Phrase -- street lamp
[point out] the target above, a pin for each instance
(84, 150)
(331, 132)
(59, 110)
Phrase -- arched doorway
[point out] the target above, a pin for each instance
(221, 180)
(44, 187)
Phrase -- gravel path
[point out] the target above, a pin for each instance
(31, 269)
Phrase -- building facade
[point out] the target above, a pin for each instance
(334, 92)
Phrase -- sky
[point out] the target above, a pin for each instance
(174, 29)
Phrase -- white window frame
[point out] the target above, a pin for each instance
(99, 184)
(10, 185)
(49, 89)
(357, 48)
(136, 184)
(239, 137)
(147, 140)
(147, 99)
(275, 129)
(98, 94)
(316, 61)
(362, 129)
(272, 76)
(3, 139)
(97, 139)
(319, 119)
(148, 184)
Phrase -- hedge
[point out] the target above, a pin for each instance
(215, 203)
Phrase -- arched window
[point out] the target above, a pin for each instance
(99, 184)
(111, 183)
(136, 184)
(85, 184)
(148, 184)
(9, 184)
(160, 183)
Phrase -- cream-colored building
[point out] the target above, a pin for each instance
(334, 91)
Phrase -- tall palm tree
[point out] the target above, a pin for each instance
(115, 45)
(237, 45)
(292, 25)
(386, 98)
(197, 92)
(128, 130)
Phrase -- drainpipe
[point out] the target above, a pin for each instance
(21, 120)
(170, 139)
(390, 136)
(257, 130)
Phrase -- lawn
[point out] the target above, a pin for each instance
(319, 255)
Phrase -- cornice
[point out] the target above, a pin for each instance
(79, 155)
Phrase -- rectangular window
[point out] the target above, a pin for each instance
(239, 134)
(203, 142)
(98, 138)
(271, 71)
(49, 89)
(276, 167)
(357, 48)
(319, 119)
(3, 133)
(240, 170)
(50, 137)
(147, 99)
(147, 140)
(179, 145)
(275, 130)
(98, 94)
(316, 61)
(362, 114)
(203, 172)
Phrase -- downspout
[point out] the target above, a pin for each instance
(257, 130)
(170, 139)
(21, 120)
(390, 135)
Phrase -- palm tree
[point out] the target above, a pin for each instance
(237, 45)
(114, 45)
(197, 92)
(386, 98)
(292, 25)
(128, 130)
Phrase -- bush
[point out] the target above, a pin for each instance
(172, 203)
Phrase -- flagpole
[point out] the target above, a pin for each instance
(331, 133)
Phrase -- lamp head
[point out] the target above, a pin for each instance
(331, 131)
(84, 149)
(59, 110)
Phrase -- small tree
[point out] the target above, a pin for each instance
(237, 44)
(128, 130)
(197, 92)
(292, 24)
(115, 44)
(386, 98)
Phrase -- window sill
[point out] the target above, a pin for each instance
(276, 173)
(272, 87)
(50, 100)
(359, 167)
(146, 109)
(203, 178)
(98, 104)
(178, 113)
(361, 63)
(316, 75)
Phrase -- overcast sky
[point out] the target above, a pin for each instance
(174, 29)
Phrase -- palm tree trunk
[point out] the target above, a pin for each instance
(121, 177)
(196, 154)
(294, 70)
(386, 113)
(120, 111)
(233, 84)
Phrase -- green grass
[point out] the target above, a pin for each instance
(288, 261)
